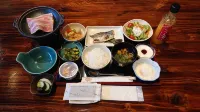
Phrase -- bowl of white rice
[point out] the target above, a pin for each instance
(96, 56)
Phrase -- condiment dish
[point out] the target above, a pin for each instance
(46, 77)
(145, 51)
(68, 70)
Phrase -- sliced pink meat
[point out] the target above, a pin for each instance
(43, 22)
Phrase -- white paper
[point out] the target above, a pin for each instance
(66, 93)
(108, 79)
(82, 101)
(122, 93)
(82, 93)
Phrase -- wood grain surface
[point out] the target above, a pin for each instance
(179, 57)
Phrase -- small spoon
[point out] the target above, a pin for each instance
(92, 73)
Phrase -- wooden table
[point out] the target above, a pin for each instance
(179, 57)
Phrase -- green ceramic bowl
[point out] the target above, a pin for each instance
(70, 45)
(38, 60)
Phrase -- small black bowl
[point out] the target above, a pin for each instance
(131, 48)
(33, 85)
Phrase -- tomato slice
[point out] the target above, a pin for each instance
(68, 30)
(130, 25)
(132, 37)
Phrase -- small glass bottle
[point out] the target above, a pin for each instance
(165, 24)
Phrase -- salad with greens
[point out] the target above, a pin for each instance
(137, 31)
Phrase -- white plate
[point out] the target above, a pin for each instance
(91, 30)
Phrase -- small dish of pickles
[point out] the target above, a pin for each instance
(71, 51)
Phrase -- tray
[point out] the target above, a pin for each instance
(127, 70)
(111, 68)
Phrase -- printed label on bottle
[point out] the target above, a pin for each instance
(163, 32)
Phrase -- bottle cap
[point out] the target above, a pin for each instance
(175, 7)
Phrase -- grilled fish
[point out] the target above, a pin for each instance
(103, 36)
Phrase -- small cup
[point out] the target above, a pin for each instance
(68, 70)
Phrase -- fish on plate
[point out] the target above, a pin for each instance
(103, 36)
(43, 22)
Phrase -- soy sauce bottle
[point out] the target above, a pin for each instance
(165, 24)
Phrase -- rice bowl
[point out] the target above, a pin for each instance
(96, 56)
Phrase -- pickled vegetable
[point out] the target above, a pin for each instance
(71, 54)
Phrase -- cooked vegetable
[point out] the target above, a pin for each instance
(137, 31)
(48, 86)
(41, 86)
(130, 25)
(44, 85)
(123, 56)
(46, 80)
(72, 34)
(71, 54)
(132, 37)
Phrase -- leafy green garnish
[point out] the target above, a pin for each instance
(129, 31)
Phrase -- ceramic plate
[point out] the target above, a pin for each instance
(91, 30)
